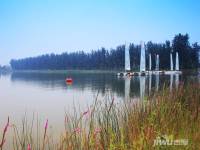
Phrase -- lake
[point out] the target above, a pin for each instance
(46, 94)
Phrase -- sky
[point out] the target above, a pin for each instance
(35, 27)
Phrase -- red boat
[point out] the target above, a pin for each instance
(69, 80)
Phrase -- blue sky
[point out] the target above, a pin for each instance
(34, 27)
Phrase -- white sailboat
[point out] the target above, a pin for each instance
(142, 58)
(157, 62)
(177, 69)
(171, 62)
(127, 65)
(177, 62)
(127, 59)
(157, 68)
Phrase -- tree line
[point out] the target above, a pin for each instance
(114, 58)
(5, 69)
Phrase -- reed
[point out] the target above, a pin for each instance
(4, 134)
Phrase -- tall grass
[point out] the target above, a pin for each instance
(133, 124)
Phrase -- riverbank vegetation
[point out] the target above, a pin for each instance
(164, 120)
(5, 69)
(113, 59)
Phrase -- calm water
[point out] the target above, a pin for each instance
(47, 94)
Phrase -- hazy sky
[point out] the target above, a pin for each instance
(34, 27)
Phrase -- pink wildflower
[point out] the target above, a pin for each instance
(87, 114)
(4, 134)
(45, 133)
(97, 130)
(77, 130)
(46, 125)
(29, 147)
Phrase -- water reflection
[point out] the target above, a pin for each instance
(171, 81)
(49, 95)
(150, 80)
(127, 88)
(199, 78)
(142, 87)
(136, 86)
(157, 81)
(102, 82)
(176, 80)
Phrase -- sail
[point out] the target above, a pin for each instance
(171, 62)
(127, 58)
(199, 57)
(157, 62)
(142, 58)
(177, 61)
(149, 61)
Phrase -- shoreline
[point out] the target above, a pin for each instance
(186, 71)
(65, 71)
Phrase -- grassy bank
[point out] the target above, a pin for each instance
(166, 117)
